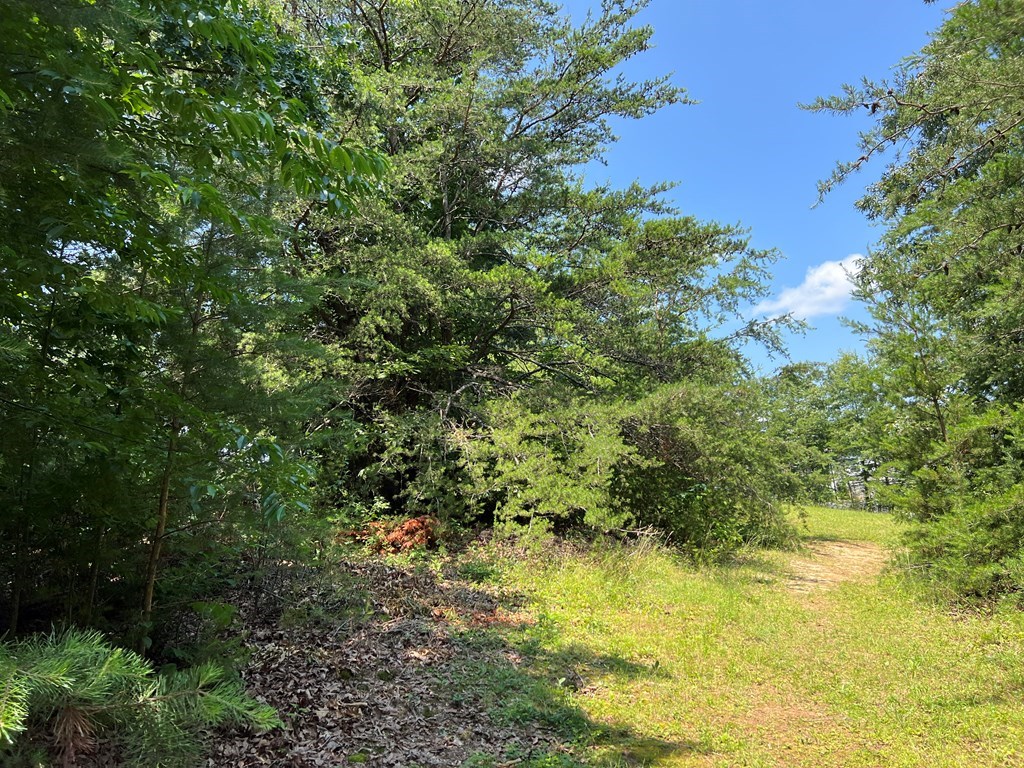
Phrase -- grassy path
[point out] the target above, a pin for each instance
(830, 563)
(812, 658)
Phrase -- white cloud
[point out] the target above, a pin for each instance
(825, 291)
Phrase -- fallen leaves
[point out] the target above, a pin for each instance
(391, 537)
(386, 690)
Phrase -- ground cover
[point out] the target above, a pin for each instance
(807, 658)
(628, 656)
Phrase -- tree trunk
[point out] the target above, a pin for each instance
(12, 628)
(163, 510)
(94, 577)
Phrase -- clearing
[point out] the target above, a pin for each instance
(630, 657)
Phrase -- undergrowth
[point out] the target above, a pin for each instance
(61, 693)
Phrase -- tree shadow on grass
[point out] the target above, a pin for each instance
(428, 672)
(523, 686)
(519, 671)
(754, 568)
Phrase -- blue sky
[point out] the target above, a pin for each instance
(747, 154)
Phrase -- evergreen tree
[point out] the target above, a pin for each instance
(944, 290)
(488, 268)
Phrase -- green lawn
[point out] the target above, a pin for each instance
(645, 660)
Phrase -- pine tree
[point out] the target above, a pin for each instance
(944, 290)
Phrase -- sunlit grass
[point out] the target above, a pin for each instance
(674, 666)
(847, 524)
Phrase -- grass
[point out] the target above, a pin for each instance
(846, 524)
(644, 660)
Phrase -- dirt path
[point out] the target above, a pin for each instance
(826, 563)
(389, 665)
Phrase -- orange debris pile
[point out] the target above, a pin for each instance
(394, 538)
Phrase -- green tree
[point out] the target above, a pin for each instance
(146, 150)
(944, 288)
(488, 270)
(802, 415)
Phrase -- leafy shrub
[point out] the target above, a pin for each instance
(710, 475)
(977, 551)
(62, 691)
(965, 506)
(546, 461)
(692, 460)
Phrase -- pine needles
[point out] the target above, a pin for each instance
(65, 689)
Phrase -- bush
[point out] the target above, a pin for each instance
(547, 462)
(693, 461)
(710, 475)
(976, 551)
(965, 507)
